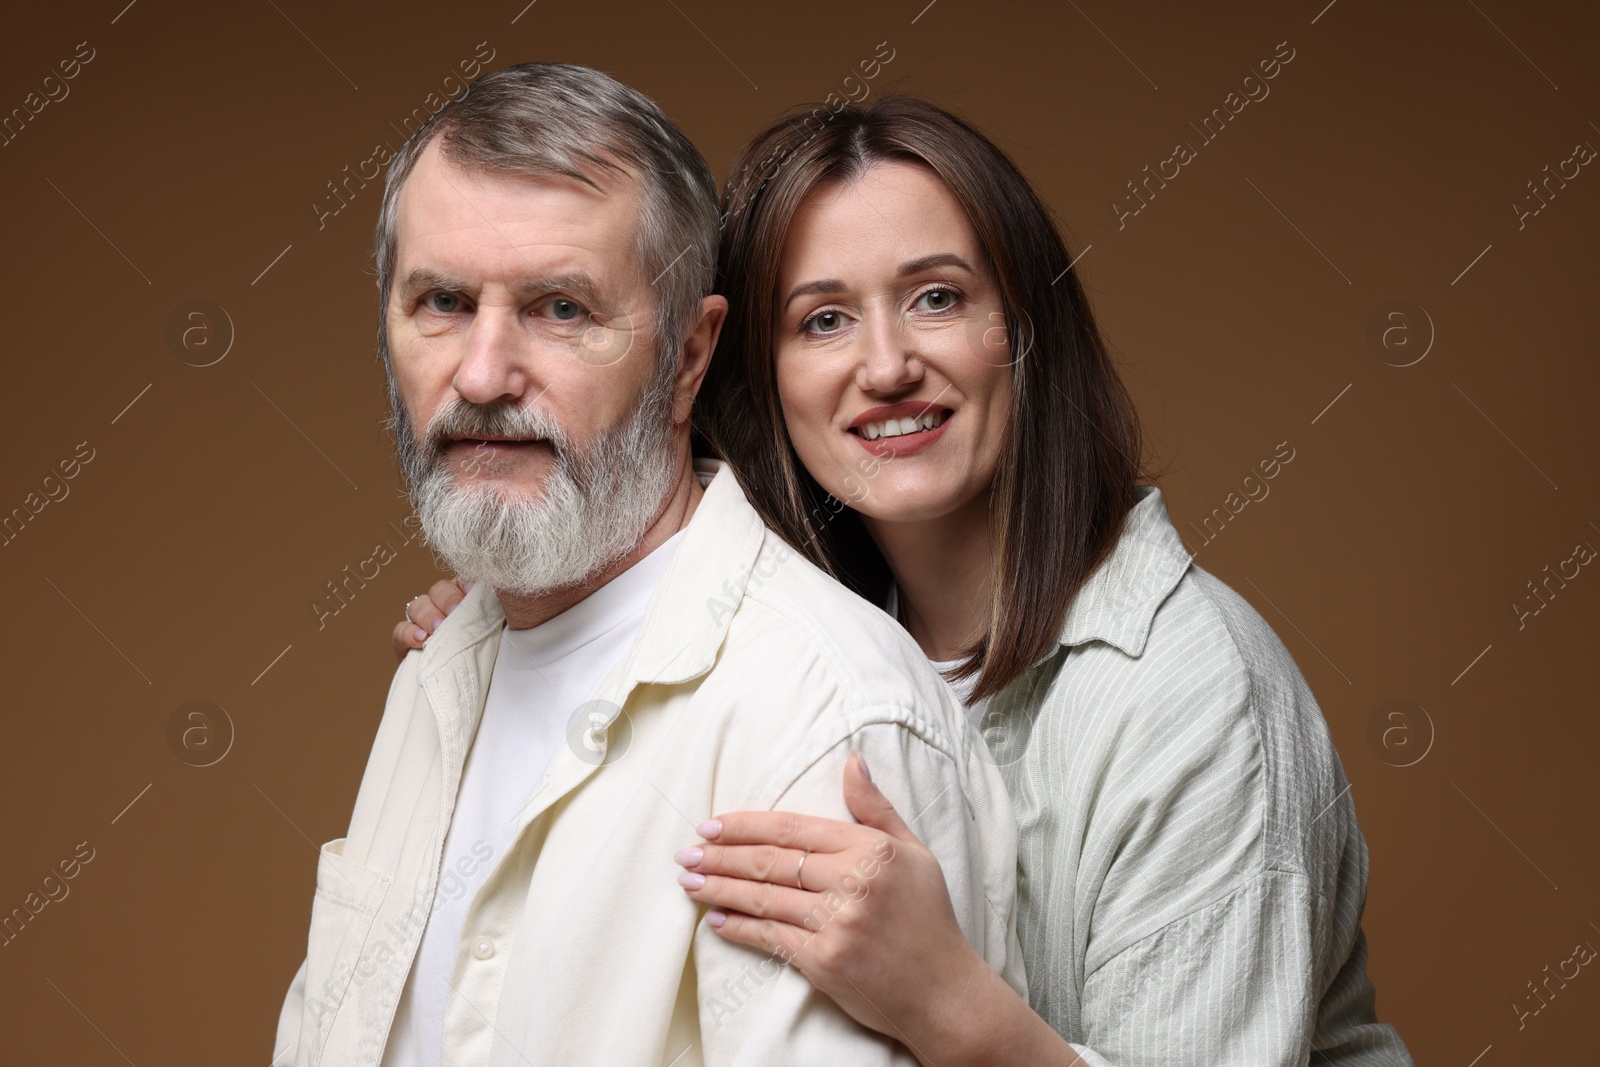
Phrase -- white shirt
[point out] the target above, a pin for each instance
(543, 677)
(751, 678)
(976, 709)
(963, 687)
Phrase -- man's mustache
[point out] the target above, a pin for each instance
(464, 419)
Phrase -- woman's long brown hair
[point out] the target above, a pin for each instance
(1070, 466)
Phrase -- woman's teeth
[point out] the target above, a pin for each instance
(899, 427)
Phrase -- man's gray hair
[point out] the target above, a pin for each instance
(560, 118)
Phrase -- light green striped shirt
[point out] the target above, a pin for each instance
(1191, 874)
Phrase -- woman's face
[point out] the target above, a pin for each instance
(892, 358)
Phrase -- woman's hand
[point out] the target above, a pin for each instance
(424, 614)
(869, 921)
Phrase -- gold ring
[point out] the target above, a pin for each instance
(802, 866)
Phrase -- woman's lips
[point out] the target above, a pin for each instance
(906, 444)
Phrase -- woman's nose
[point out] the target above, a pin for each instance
(888, 363)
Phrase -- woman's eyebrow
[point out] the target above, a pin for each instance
(825, 286)
(914, 266)
(938, 259)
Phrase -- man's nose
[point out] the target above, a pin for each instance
(889, 361)
(493, 365)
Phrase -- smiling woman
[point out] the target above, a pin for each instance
(895, 357)
(1190, 872)
(950, 241)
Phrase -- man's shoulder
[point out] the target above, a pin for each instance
(793, 621)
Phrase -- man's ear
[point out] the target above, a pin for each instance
(698, 344)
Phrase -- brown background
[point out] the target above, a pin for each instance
(184, 562)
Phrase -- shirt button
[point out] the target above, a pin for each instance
(483, 948)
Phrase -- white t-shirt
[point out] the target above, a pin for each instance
(543, 676)
(963, 686)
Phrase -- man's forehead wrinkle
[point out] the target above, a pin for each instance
(517, 254)
(521, 266)
(507, 240)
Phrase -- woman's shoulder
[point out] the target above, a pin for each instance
(1153, 627)
(1213, 708)
(1209, 664)
(1208, 629)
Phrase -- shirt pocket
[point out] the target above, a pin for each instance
(343, 911)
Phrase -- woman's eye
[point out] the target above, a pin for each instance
(443, 303)
(825, 322)
(936, 300)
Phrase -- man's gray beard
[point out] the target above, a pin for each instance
(595, 506)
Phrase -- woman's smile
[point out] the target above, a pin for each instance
(897, 430)
(886, 348)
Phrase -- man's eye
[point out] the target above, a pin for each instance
(563, 310)
(443, 303)
(936, 300)
(825, 322)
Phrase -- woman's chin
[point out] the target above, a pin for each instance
(886, 501)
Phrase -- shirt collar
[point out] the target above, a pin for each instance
(1118, 603)
(692, 607)
(689, 615)
(620, 600)
(690, 610)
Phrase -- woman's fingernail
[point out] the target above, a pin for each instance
(864, 768)
(716, 918)
(709, 829)
(688, 857)
(466, 586)
(434, 625)
(690, 880)
(419, 635)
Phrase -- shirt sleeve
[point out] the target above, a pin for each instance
(1226, 876)
(1226, 984)
(756, 1011)
(288, 1037)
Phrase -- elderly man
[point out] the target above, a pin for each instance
(638, 652)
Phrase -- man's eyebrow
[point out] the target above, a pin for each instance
(576, 283)
(423, 279)
(914, 266)
(579, 284)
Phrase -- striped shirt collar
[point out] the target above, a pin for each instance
(1118, 603)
